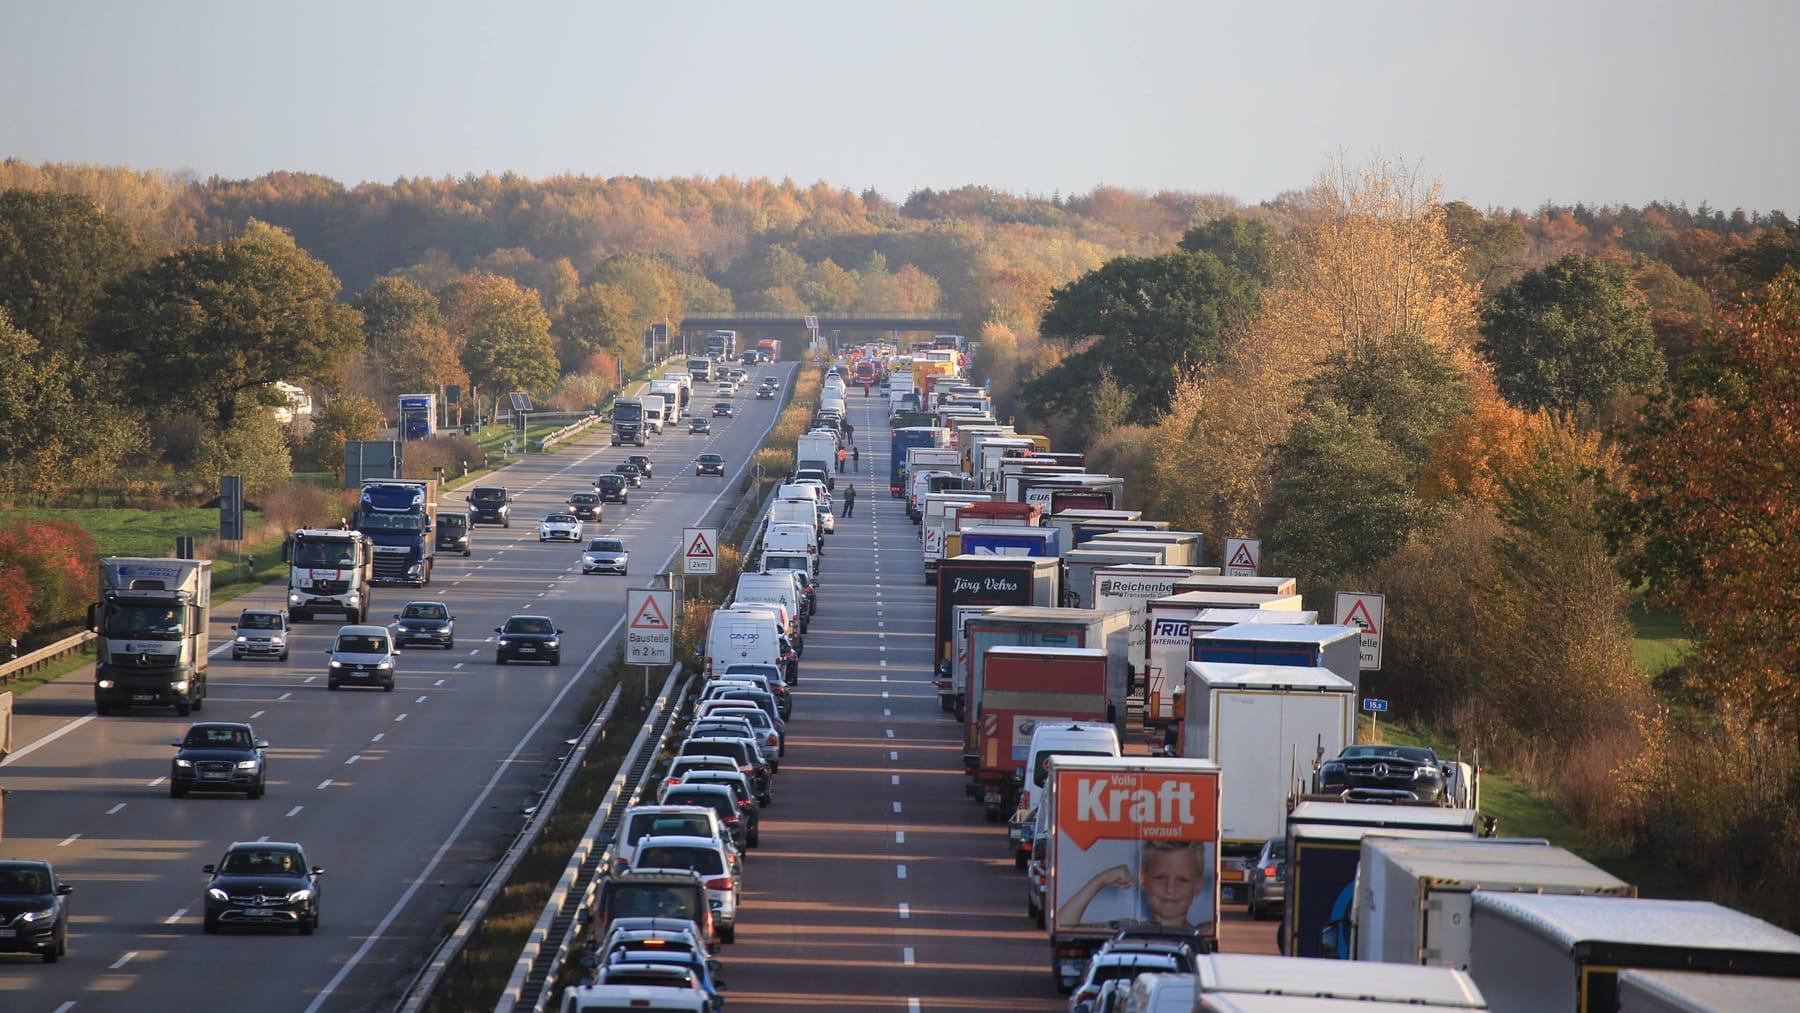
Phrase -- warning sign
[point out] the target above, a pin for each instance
(698, 555)
(1365, 612)
(650, 633)
(1243, 557)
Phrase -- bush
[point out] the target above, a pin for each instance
(451, 452)
(53, 564)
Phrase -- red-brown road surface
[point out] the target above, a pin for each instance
(879, 885)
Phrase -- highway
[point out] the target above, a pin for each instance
(405, 798)
(879, 884)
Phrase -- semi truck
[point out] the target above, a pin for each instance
(153, 620)
(970, 584)
(418, 416)
(1531, 952)
(1413, 897)
(628, 423)
(671, 394)
(1335, 648)
(400, 518)
(700, 369)
(722, 345)
(1170, 641)
(1157, 818)
(1010, 540)
(904, 439)
(1269, 726)
(329, 570)
(1133, 588)
(656, 409)
(768, 350)
(1023, 688)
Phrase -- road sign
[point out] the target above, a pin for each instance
(231, 508)
(650, 633)
(1243, 556)
(699, 555)
(1365, 612)
(1374, 706)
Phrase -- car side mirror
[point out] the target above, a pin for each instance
(208, 869)
(559, 633)
(64, 889)
(262, 743)
(396, 615)
(175, 742)
(718, 984)
(234, 627)
(498, 630)
(318, 870)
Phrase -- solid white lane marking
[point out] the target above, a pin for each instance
(71, 839)
(177, 916)
(114, 810)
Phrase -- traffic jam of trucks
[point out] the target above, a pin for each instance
(1160, 737)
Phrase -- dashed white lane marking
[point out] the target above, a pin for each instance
(66, 1007)
(906, 957)
(899, 837)
(400, 717)
(912, 1006)
(264, 839)
(896, 778)
(905, 911)
(353, 758)
(295, 811)
(156, 782)
(890, 733)
(325, 783)
(284, 696)
(899, 872)
(893, 754)
(378, 736)
(258, 714)
(884, 694)
(884, 678)
(122, 961)
(896, 807)
(71, 839)
(887, 713)
(177, 916)
(420, 700)
(115, 809)
(884, 662)
(440, 682)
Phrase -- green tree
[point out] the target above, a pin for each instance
(206, 329)
(505, 336)
(827, 288)
(407, 342)
(1250, 245)
(1493, 248)
(1143, 319)
(346, 419)
(253, 446)
(58, 432)
(58, 252)
(1570, 336)
(598, 318)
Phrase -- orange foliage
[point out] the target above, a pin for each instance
(1473, 456)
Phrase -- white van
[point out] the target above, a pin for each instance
(1161, 993)
(774, 587)
(803, 512)
(1058, 738)
(742, 636)
(655, 411)
(784, 619)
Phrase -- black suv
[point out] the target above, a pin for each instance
(490, 504)
(660, 894)
(613, 488)
(34, 910)
(528, 638)
(1384, 774)
(453, 532)
(263, 883)
(218, 756)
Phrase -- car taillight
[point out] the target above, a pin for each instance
(773, 740)
(731, 821)
(1268, 872)
(719, 883)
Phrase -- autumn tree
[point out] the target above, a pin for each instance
(599, 318)
(1716, 502)
(1492, 247)
(505, 336)
(56, 561)
(1570, 336)
(58, 252)
(407, 343)
(347, 419)
(216, 325)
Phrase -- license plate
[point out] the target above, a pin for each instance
(8, 933)
(209, 776)
(991, 798)
(257, 913)
(142, 697)
(527, 650)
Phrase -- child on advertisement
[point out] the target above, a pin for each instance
(1171, 876)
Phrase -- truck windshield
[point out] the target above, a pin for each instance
(389, 522)
(145, 622)
(628, 412)
(324, 555)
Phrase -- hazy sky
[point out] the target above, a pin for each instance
(1509, 103)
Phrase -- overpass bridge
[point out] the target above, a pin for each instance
(792, 331)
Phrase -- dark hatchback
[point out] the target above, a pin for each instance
(632, 473)
(528, 638)
(34, 910)
(425, 622)
(613, 488)
(709, 464)
(453, 533)
(722, 410)
(218, 756)
(263, 883)
(644, 464)
(586, 506)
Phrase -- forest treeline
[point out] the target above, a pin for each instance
(1515, 423)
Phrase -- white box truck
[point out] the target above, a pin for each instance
(1692, 992)
(1246, 974)
(1413, 897)
(153, 620)
(1267, 726)
(1532, 953)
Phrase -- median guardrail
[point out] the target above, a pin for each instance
(34, 660)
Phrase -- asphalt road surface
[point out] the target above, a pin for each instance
(405, 798)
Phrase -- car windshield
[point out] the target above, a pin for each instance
(23, 882)
(528, 626)
(559, 519)
(315, 555)
(667, 825)
(719, 802)
(425, 610)
(217, 738)
(488, 496)
(710, 458)
(606, 545)
(1414, 753)
(259, 621)
(612, 480)
(261, 861)
(583, 497)
(643, 900)
(359, 644)
(706, 861)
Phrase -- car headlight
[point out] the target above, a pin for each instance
(294, 599)
(503, 642)
(38, 916)
(552, 642)
(1423, 773)
(105, 684)
(179, 685)
(247, 764)
(336, 663)
(183, 764)
(217, 894)
(243, 639)
(385, 665)
(588, 560)
(300, 896)
(352, 598)
(278, 641)
(401, 628)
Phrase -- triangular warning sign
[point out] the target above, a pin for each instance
(1359, 617)
(649, 617)
(1242, 556)
(700, 550)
